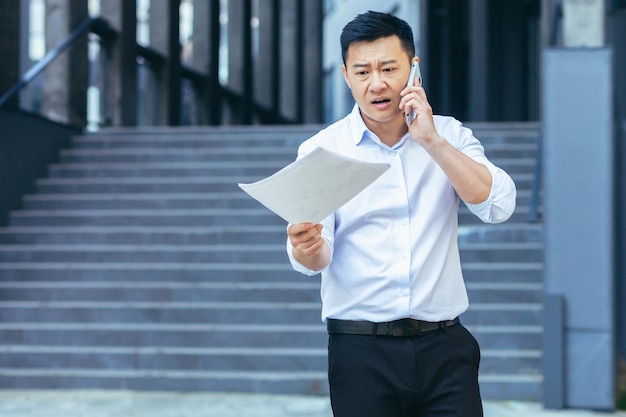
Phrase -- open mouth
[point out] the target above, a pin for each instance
(381, 101)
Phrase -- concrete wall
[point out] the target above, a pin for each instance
(28, 143)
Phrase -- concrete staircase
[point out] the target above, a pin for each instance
(139, 264)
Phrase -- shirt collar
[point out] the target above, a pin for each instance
(360, 131)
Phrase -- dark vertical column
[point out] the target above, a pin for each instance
(122, 15)
(205, 57)
(618, 37)
(299, 61)
(447, 65)
(10, 48)
(78, 71)
(128, 63)
(199, 59)
(478, 61)
(276, 57)
(312, 44)
(214, 90)
(423, 50)
(510, 56)
(289, 59)
(267, 59)
(173, 63)
(240, 71)
(246, 105)
(66, 78)
(164, 38)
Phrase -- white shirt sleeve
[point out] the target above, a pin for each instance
(500, 204)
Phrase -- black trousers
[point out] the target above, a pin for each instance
(434, 374)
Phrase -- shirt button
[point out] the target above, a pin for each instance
(403, 222)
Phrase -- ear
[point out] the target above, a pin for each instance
(344, 71)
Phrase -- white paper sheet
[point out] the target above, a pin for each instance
(313, 187)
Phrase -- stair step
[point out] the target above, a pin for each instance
(281, 312)
(506, 232)
(480, 292)
(257, 215)
(225, 272)
(176, 184)
(475, 252)
(219, 167)
(286, 382)
(20, 357)
(170, 217)
(242, 154)
(236, 199)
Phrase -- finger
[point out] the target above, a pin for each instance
(311, 246)
(296, 229)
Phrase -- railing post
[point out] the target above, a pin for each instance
(533, 211)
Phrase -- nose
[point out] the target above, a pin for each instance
(377, 82)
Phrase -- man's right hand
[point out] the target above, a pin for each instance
(309, 248)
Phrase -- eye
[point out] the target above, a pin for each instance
(361, 73)
(388, 70)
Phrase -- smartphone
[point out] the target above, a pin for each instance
(415, 73)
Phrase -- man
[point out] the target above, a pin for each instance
(392, 287)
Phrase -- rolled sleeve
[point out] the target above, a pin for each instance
(500, 204)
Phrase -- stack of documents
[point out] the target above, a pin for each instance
(314, 186)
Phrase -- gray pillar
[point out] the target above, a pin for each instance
(200, 41)
(200, 61)
(9, 48)
(267, 67)
(312, 44)
(580, 217)
(214, 89)
(478, 60)
(164, 37)
(240, 64)
(122, 15)
(288, 62)
(66, 79)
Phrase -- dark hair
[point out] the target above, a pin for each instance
(370, 26)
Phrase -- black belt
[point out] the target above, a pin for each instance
(402, 327)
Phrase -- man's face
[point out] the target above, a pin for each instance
(376, 72)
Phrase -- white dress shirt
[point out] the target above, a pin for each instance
(394, 251)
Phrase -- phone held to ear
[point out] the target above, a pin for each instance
(415, 73)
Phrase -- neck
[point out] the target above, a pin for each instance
(389, 132)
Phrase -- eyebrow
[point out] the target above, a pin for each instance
(364, 65)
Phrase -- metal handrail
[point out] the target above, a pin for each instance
(95, 24)
(533, 210)
(154, 58)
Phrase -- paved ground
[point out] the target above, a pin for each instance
(149, 404)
